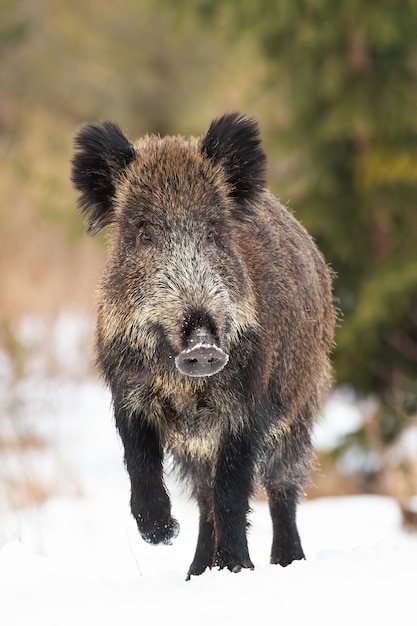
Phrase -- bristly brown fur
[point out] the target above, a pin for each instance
(199, 241)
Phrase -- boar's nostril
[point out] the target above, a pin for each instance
(202, 357)
(202, 360)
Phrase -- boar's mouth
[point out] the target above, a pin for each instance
(202, 357)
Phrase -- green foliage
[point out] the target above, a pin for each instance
(88, 60)
(353, 107)
(346, 74)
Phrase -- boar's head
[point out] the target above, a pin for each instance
(177, 283)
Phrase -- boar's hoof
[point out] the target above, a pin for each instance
(233, 564)
(161, 532)
(240, 566)
(196, 570)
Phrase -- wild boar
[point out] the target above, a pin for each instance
(215, 321)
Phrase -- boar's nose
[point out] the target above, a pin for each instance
(202, 357)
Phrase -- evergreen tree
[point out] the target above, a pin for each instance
(347, 71)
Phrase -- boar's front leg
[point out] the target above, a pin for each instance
(150, 503)
(232, 489)
(204, 552)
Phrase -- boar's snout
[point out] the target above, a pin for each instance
(202, 357)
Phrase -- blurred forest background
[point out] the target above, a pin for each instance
(334, 87)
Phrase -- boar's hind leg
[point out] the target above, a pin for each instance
(284, 478)
(149, 502)
(286, 544)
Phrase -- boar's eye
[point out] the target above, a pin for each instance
(213, 231)
(216, 234)
(146, 236)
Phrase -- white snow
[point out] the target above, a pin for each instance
(78, 558)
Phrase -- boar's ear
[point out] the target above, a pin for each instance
(233, 141)
(102, 155)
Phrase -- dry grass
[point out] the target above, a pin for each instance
(327, 481)
(400, 473)
(46, 263)
(41, 272)
(20, 494)
(22, 483)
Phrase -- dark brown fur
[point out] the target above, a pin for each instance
(199, 241)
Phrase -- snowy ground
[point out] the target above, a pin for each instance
(79, 559)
